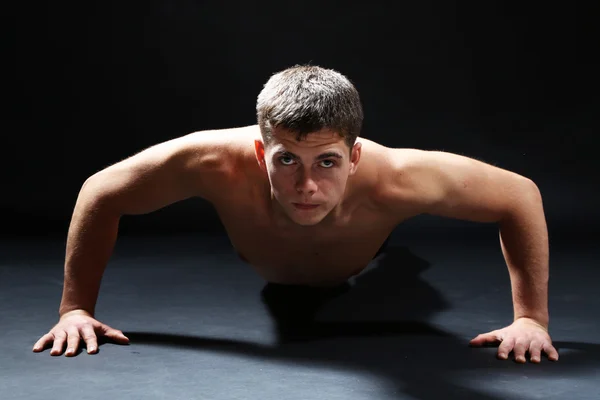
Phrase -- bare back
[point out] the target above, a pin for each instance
(315, 255)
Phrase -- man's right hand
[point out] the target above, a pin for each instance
(73, 327)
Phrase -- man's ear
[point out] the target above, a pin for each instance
(259, 151)
(355, 157)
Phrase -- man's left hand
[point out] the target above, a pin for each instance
(522, 336)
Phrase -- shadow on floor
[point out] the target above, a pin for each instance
(378, 323)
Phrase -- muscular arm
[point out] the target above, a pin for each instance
(190, 166)
(450, 185)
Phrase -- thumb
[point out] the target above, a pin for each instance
(477, 341)
(115, 334)
(483, 339)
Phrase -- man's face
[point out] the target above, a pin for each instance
(308, 178)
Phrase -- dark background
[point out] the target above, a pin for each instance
(91, 84)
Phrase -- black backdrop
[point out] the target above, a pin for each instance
(90, 84)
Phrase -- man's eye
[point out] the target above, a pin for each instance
(286, 160)
(330, 163)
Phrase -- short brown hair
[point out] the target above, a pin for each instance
(305, 99)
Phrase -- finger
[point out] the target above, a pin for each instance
(550, 351)
(72, 341)
(521, 347)
(486, 338)
(506, 347)
(115, 335)
(43, 342)
(89, 337)
(535, 351)
(60, 338)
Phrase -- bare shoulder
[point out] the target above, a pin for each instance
(394, 172)
(406, 182)
(447, 184)
(219, 142)
(220, 153)
(198, 164)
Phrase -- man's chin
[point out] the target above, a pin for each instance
(307, 220)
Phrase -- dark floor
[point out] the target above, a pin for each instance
(200, 328)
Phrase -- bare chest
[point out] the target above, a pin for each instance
(320, 256)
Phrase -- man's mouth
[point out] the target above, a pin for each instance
(305, 206)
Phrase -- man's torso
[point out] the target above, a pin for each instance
(293, 254)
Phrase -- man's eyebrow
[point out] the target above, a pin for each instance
(323, 156)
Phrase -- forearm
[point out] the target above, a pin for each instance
(90, 243)
(524, 242)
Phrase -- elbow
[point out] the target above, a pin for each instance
(533, 191)
(526, 202)
(94, 196)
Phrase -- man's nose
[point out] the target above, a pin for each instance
(306, 183)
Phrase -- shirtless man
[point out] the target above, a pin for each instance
(323, 198)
